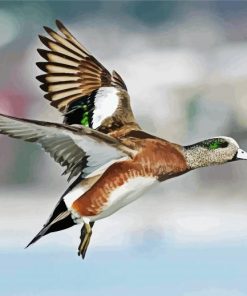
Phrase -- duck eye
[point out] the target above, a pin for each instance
(217, 144)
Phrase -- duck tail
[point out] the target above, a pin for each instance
(59, 220)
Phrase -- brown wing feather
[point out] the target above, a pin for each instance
(118, 81)
(74, 78)
(81, 150)
(70, 64)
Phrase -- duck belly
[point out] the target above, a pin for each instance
(123, 195)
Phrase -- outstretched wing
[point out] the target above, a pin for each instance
(80, 86)
(81, 150)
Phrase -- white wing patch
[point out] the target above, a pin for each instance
(106, 103)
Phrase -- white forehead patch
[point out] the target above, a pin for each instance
(228, 139)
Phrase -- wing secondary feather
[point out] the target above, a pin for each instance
(81, 150)
(80, 86)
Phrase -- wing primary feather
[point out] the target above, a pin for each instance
(62, 94)
(60, 86)
(66, 33)
(58, 47)
(64, 41)
(117, 79)
(42, 66)
(47, 54)
(50, 67)
(63, 103)
(58, 77)
(73, 73)
(70, 146)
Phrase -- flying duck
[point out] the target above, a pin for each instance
(100, 144)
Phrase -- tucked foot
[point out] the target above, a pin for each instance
(86, 233)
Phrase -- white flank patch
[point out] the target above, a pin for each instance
(125, 194)
(75, 193)
(80, 189)
(106, 103)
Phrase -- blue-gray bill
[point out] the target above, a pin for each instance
(241, 154)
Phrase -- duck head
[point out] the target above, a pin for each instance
(213, 151)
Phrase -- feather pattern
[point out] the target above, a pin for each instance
(76, 148)
(75, 78)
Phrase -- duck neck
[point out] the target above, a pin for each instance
(196, 157)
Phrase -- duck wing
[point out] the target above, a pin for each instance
(81, 150)
(78, 85)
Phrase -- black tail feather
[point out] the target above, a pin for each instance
(60, 219)
(37, 237)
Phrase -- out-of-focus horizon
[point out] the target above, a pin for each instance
(185, 66)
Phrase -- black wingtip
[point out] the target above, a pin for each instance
(45, 40)
(48, 30)
(41, 78)
(43, 53)
(42, 66)
(41, 37)
(44, 87)
(48, 96)
(59, 24)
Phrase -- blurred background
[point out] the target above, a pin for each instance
(185, 65)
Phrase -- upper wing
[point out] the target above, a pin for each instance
(80, 86)
(81, 150)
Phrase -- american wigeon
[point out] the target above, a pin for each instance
(100, 142)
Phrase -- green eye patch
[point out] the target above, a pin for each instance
(210, 144)
(217, 143)
(214, 145)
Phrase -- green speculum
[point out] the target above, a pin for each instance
(85, 118)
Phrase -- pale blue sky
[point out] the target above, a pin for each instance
(166, 269)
